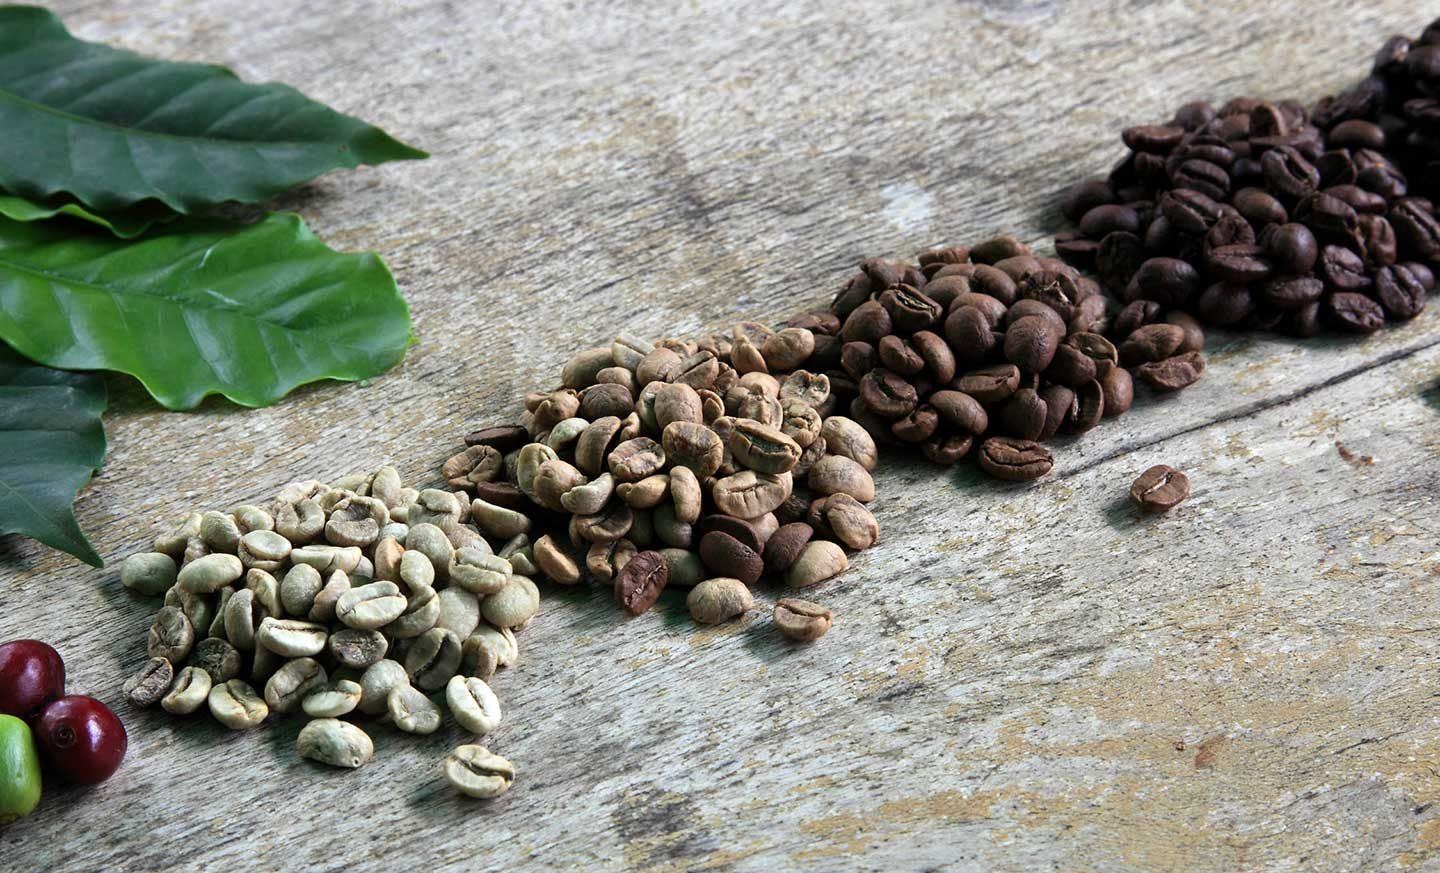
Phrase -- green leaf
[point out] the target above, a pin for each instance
(51, 442)
(201, 308)
(128, 224)
(115, 128)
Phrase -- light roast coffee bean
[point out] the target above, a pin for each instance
(801, 620)
(717, 600)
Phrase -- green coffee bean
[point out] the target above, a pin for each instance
(264, 549)
(334, 742)
(472, 703)
(513, 605)
(477, 772)
(328, 559)
(422, 610)
(218, 658)
(19, 770)
(370, 607)
(151, 573)
(358, 649)
(376, 683)
(220, 532)
(267, 591)
(190, 692)
(174, 541)
(820, 560)
(412, 711)
(459, 611)
(333, 699)
(298, 589)
(236, 705)
(300, 522)
(433, 659)
(211, 573)
(288, 686)
(242, 615)
(327, 601)
(499, 522)
(415, 570)
(170, 636)
(479, 573)
(292, 638)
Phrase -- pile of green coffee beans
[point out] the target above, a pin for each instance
(358, 600)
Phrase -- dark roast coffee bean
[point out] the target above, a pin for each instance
(1232, 229)
(1259, 207)
(989, 384)
(1172, 374)
(918, 426)
(1355, 313)
(887, 394)
(1288, 174)
(739, 528)
(857, 290)
(1292, 249)
(1119, 256)
(883, 273)
(1304, 321)
(1014, 460)
(1267, 120)
(1084, 197)
(1153, 342)
(1343, 270)
(1134, 315)
(1027, 308)
(1023, 415)
(1223, 304)
(1194, 334)
(1160, 489)
(1241, 264)
(1089, 407)
(1423, 274)
(1356, 134)
(1203, 176)
(1291, 292)
(1384, 181)
(1417, 230)
(993, 310)
(1189, 211)
(1076, 250)
(1156, 138)
(1401, 293)
(1093, 346)
(1362, 201)
(1377, 241)
(1109, 218)
(1170, 282)
(1194, 115)
(1329, 217)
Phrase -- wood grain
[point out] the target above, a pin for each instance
(1018, 678)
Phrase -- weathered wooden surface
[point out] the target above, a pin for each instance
(1019, 678)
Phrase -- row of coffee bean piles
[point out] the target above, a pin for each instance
(1265, 216)
(361, 599)
(700, 465)
(996, 350)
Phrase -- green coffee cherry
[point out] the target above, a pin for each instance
(19, 770)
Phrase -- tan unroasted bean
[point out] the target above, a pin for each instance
(477, 772)
(837, 474)
(802, 620)
(719, 599)
(847, 438)
(334, 742)
(288, 686)
(472, 703)
(376, 683)
(332, 700)
(236, 705)
(190, 692)
(411, 711)
(818, 561)
(370, 607)
(556, 561)
(748, 494)
(291, 638)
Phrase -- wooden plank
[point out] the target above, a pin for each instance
(1019, 678)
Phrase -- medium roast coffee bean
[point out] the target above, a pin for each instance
(1160, 489)
(724, 555)
(639, 583)
(1014, 460)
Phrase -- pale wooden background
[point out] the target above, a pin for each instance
(1019, 678)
